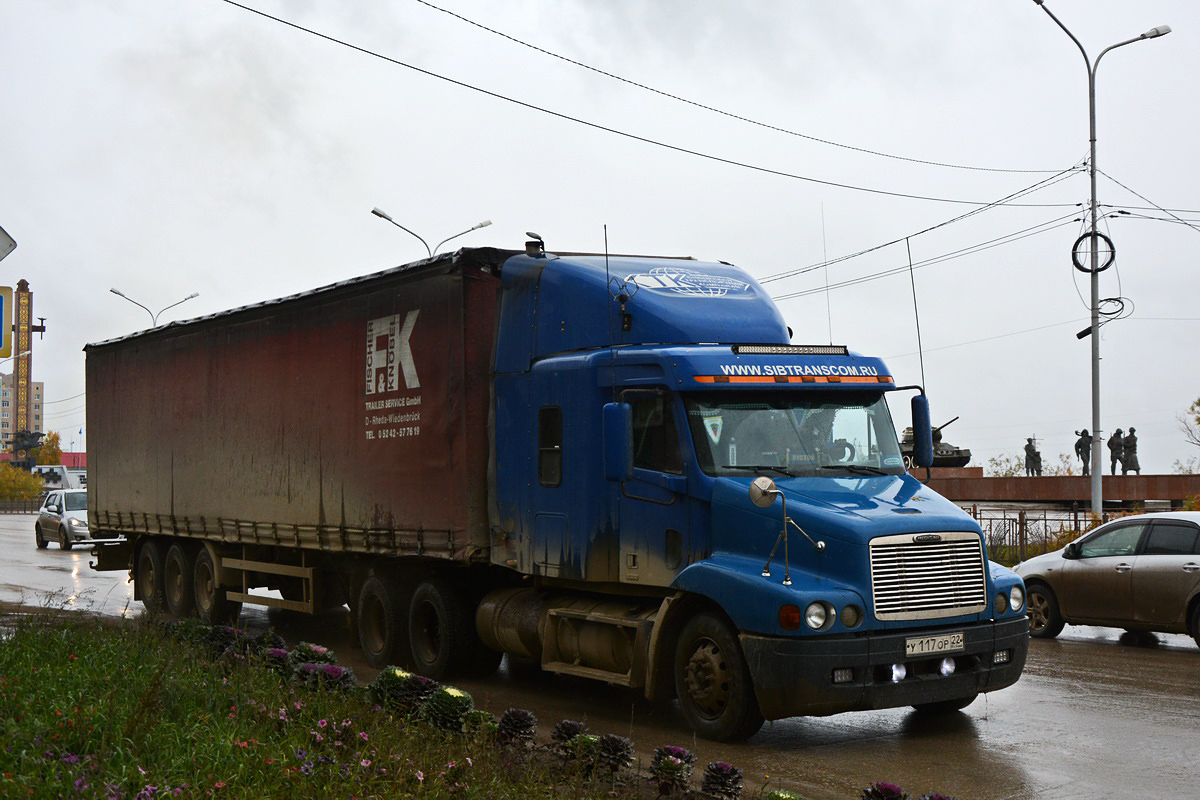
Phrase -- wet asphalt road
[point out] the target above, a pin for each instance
(1097, 714)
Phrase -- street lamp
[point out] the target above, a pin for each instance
(379, 212)
(1093, 237)
(153, 316)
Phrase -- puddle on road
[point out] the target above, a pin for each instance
(53, 568)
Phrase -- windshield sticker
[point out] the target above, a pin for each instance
(687, 282)
(892, 461)
(714, 425)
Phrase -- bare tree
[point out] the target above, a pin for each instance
(1189, 423)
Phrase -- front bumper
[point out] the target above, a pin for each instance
(795, 677)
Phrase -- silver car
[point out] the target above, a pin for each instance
(62, 518)
(1139, 573)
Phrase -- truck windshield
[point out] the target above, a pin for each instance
(793, 433)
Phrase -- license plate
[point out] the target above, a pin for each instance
(934, 645)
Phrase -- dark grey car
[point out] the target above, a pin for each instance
(1140, 573)
(62, 518)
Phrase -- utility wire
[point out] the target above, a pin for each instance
(1004, 201)
(605, 128)
(714, 110)
(65, 399)
(1148, 200)
(1044, 227)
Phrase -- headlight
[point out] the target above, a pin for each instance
(1017, 598)
(816, 615)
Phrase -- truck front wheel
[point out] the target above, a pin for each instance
(382, 621)
(149, 576)
(712, 681)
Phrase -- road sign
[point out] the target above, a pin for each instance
(6, 319)
(7, 244)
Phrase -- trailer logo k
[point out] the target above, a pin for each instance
(388, 348)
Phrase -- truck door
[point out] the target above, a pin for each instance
(653, 508)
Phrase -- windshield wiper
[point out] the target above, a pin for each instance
(759, 467)
(856, 469)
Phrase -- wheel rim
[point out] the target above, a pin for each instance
(372, 626)
(707, 679)
(427, 636)
(174, 587)
(149, 577)
(205, 586)
(1039, 612)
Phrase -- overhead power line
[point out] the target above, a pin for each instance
(1004, 201)
(1157, 207)
(715, 110)
(615, 131)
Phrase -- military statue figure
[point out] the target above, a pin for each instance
(1116, 449)
(1129, 459)
(1083, 449)
(1033, 459)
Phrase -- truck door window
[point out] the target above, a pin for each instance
(550, 441)
(655, 439)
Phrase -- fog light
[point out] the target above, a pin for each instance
(816, 616)
(1001, 603)
(852, 616)
(947, 667)
(843, 675)
(899, 672)
(1018, 598)
(1002, 656)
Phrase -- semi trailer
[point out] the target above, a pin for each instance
(618, 467)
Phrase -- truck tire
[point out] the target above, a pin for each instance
(713, 682)
(441, 632)
(1045, 620)
(212, 606)
(178, 573)
(149, 576)
(381, 616)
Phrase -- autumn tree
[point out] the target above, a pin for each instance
(17, 484)
(50, 451)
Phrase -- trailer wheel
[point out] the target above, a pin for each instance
(382, 617)
(149, 576)
(441, 628)
(713, 682)
(212, 606)
(178, 575)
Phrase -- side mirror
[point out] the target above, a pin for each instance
(617, 420)
(922, 432)
(1071, 550)
(763, 491)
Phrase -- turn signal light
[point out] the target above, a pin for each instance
(790, 617)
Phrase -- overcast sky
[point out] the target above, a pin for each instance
(166, 148)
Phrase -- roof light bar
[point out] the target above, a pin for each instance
(791, 350)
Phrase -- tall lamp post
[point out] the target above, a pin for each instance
(1093, 238)
(379, 212)
(153, 316)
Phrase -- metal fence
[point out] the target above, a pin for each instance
(1015, 534)
(19, 506)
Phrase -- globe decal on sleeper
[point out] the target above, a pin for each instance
(688, 282)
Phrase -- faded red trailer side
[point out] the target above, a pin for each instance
(353, 418)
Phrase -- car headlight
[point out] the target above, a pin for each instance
(1017, 598)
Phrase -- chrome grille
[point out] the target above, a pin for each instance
(926, 580)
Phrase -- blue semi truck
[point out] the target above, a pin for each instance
(618, 467)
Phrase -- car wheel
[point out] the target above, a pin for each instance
(712, 681)
(1196, 623)
(945, 706)
(1045, 620)
(38, 539)
(178, 574)
(64, 538)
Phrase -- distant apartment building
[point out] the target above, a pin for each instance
(8, 409)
